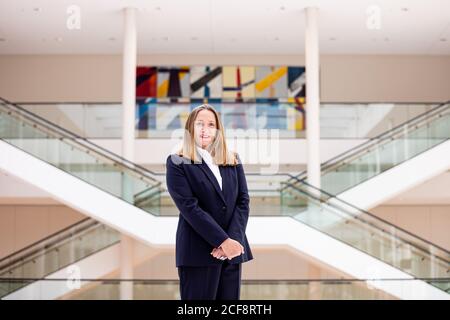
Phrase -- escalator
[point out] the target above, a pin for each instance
(118, 195)
(121, 196)
(368, 233)
(391, 163)
(85, 176)
(55, 252)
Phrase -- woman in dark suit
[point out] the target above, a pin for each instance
(207, 183)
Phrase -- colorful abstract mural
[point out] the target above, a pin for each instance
(271, 82)
(206, 82)
(296, 82)
(238, 82)
(145, 82)
(247, 97)
(229, 83)
(173, 82)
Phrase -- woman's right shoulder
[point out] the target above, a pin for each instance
(176, 159)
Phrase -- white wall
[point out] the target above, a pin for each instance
(431, 222)
(22, 225)
(344, 78)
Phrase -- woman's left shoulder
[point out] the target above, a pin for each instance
(232, 160)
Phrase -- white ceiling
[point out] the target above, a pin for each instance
(225, 27)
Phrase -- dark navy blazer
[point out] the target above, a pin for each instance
(208, 215)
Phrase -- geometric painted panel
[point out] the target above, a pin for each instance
(238, 82)
(206, 81)
(271, 82)
(173, 82)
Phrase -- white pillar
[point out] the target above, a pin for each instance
(129, 82)
(312, 96)
(126, 267)
(128, 131)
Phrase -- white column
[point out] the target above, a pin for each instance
(129, 82)
(128, 116)
(312, 95)
(126, 267)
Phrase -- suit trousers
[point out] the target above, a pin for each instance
(219, 282)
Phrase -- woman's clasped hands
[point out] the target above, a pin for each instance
(229, 249)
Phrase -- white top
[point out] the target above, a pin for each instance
(209, 161)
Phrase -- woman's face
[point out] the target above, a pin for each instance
(205, 128)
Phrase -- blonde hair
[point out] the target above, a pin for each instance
(218, 148)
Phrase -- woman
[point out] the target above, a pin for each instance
(207, 183)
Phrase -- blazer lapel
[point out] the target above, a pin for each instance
(213, 179)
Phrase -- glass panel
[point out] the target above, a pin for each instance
(365, 120)
(159, 119)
